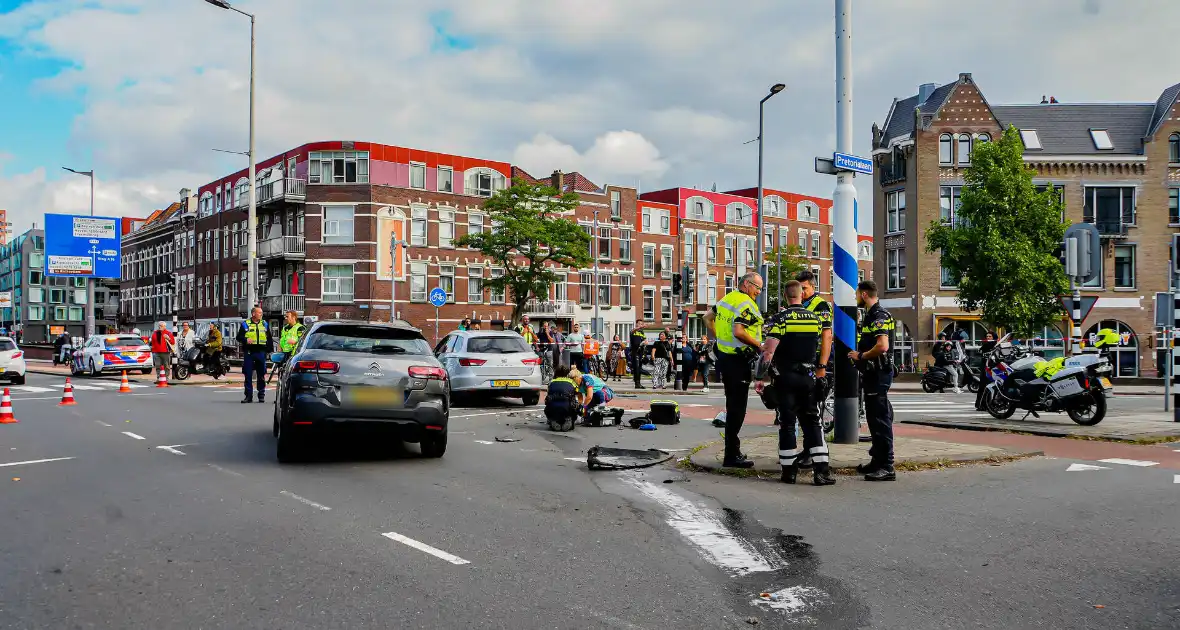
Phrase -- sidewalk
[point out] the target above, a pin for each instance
(763, 449)
(1140, 428)
(627, 386)
(41, 366)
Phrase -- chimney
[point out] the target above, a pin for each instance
(924, 92)
(557, 180)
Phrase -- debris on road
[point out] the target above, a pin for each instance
(606, 458)
(505, 438)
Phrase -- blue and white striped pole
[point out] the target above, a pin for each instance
(844, 224)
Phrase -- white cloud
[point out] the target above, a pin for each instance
(615, 157)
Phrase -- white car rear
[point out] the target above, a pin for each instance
(12, 361)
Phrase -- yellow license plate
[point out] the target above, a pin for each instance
(373, 396)
(505, 383)
(1105, 382)
(2, 370)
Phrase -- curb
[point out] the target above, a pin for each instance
(171, 383)
(1045, 432)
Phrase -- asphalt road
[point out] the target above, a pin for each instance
(211, 532)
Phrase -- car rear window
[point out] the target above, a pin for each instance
(124, 343)
(367, 339)
(497, 345)
(6, 344)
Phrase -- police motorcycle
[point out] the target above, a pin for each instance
(1021, 379)
(936, 378)
(197, 361)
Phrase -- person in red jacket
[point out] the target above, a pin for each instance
(163, 344)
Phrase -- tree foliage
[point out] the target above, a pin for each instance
(531, 225)
(1003, 242)
(794, 260)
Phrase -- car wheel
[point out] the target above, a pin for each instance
(288, 448)
(434, 445)
(147, 371)
(276, 426)
(19, 379)
(530, 399)
(93, 369)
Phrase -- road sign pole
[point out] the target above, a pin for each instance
(1175, 358)
(436, 324)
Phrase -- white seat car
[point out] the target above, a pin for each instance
(12, 361)
(114, 353)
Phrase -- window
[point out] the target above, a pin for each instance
(57, 296)
(768, 238)
(483, 181)
(36, 295)
(750, 247)
(1101, 139)
(37, 313)
(948, 203)
(446, 178)
(338, 225)
(895, 209)
(728, 283)
(560, 287)
(624, 290)
(711, 291)
(666, 304)
(418, 226)
(983, 137)
(815, 245)
(944, 149)
(236, 284)
(36, 276)
(446, 281)
(688, 247)
(775, 206)
(807, 211)
(625, 245)
(666, 261)
(665, 222)
(496, 295)
(948, 280)
(60, 313)
(418, 282)
(819, 285)
(711, 249)
(604, 251)
(1174, 206)
(1109, 207)
(738, 213)
(1032, 142)
(729, 259)
(803, 242)
(586, 288)
(446, 228)
(895, 260)
(474, 223)
(604, 289)
(964, 148)
(649, 303)
(646, 221)
(649, 260)
(75, 313)
(589, 240)
(1124, 266)
(616, 205)
(1174, 148)
(338, 167)
(699, 208)
(418, 176)
(475, 285)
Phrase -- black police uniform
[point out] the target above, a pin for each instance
(798, 332)
(876, 377)
(637, 340)
(822, 310)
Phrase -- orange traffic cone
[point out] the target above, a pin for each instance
(162, 381)
(67, 396)
(124, 386)
(6, 416)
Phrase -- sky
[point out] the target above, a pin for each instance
(652, 94)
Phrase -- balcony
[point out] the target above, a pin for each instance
(282, 247)
(283, 303)
(289, 189)
(890, 176)
(558, 309)
(1108, 228)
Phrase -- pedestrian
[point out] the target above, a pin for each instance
(636, 342)
(186, 339)
(616, 358)
(672, 359)
(290, 334)
(477, 326)
(688, 363)
(163, 344)
(736, 323)
(465, 324)
(256, 342)
(524, 329)
(704, 353)
(792, 339)
(661, 354)
(873, 361)
(575, 340)
(590, 353)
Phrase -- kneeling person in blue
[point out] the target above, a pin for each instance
(593, 391)
(562, 401)
(256, 342)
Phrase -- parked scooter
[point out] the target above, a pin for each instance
(1077, 386)
(197, 361)
(936, 378)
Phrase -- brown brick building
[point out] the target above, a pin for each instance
(1118, 166)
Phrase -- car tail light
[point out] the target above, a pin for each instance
(317, 367)
(17, 355)
(531, 361)
(427, 372)
(471, 362)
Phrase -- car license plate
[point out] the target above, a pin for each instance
(505, 383)
(2, 370)
(1105, 382)
(373, 396)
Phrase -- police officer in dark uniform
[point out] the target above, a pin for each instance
(637, 340)
(876, 376)
(823, 373)
(792, 338)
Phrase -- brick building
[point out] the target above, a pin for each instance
(1118, 166)
(148, 262)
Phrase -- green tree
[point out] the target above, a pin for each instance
(530, 227)
(793, 260)
(1002, 244)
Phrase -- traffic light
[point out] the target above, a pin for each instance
(676, 284)
(690, 281)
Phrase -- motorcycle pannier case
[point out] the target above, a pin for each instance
(1068, 382)
(664, 412)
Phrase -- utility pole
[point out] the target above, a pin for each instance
(761, 268)
(595, 249)
(90, 279)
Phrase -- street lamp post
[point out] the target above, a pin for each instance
(774, 89)
(594, 249)
(89, 281)
(252, 216)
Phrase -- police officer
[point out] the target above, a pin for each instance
(289, 336)
(637, 340)
(792, 338)
(736, 323)
(823, 310)
(256, 343)
(876, 376)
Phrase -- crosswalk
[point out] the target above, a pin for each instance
(946, 408)
(91, 386)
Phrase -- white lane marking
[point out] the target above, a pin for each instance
(174, 449)
(35, 461)
(103, 423)
(702, 527)
(484, 442)
(490, 413)
(1175, 478)
(86, 388)
(132, 435)
(32, 389)
(1077, 467)
(313, 504)
(148, 394)
(421, 546)
(1129, 462)
(226, 470)
(576, 459)
(696, 405)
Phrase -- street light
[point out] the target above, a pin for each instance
(89, 281)
(774, 89)
(252, 215)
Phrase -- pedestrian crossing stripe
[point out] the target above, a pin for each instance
(31, 389)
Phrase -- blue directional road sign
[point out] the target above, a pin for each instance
(82, 246)
(846, 162)
(438, 297)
